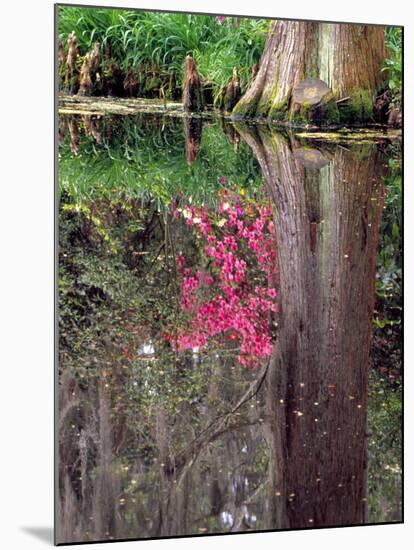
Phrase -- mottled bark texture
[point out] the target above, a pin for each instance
(348, 58)
(232, 92)
(192, 87)
(71, 72)
(327, 209)
(85, 85)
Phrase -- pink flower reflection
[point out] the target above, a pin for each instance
(232, 295)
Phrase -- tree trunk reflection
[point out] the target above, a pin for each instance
(159, 442)
(327, 207)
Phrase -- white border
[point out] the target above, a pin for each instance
(26, 276)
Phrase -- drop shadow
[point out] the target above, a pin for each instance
(43, 533)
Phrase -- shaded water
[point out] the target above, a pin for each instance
(218, 290)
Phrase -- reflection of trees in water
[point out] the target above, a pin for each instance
(192, 131)
(107, 129)
(147, 155)
(190, 444)
(231, 133)
(327, 212)
(153, 443)
(91, 125)
(89, 505)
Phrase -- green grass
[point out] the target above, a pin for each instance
(137, 37)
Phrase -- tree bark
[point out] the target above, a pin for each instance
(348, 58)
(192, 87)
(327, 208)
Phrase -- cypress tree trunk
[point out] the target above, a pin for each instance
(347, 58)
(327, 209)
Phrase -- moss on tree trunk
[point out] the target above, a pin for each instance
(347, 58)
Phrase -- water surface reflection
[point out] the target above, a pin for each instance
(217, 291)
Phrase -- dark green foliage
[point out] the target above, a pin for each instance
(324, 114)
(390, 245)
(385, 410)
(358, 109)
(385, 448)
(388, 309)
(331, 112)
(280, 112)
(393, 65)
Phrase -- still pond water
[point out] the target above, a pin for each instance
(230, 310)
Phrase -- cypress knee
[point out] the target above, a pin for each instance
(61, 63)
(131, 83)
(72, 74)
(174, 91)
(95, 58)
(192, 88)
(85, 85)
(232, 93)
(153, 83)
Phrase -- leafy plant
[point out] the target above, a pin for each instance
(136, 37)
(393, 65)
